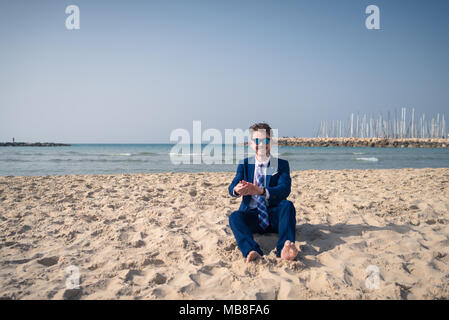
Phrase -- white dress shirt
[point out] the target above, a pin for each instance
(253, 201)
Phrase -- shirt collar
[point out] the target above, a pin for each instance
(265, 163)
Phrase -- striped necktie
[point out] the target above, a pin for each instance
(261, 205)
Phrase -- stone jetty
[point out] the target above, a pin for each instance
(32, 144)
(366, 142)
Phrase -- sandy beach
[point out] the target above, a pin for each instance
(166, 236)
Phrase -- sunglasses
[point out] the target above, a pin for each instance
(264, 141)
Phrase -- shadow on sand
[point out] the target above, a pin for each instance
(322, 236)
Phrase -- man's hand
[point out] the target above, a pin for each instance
(238, 188)
(245, 188)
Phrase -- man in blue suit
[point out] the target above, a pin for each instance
(265, 183)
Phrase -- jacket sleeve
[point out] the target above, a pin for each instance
(283, 189)
(238, 177)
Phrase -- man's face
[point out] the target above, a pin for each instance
(262, 150)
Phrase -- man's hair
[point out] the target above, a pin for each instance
(261, 126)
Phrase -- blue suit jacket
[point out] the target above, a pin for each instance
(278, 181)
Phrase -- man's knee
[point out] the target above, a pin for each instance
(288, 207)
(234, 216)
(286, 203)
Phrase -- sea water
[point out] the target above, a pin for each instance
(154, 158)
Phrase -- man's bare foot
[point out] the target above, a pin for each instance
(253, 255)
(289, 252)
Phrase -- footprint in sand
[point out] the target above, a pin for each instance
(49, 261)
(156, 262)
(136, 240)
(72, 294)
(174, 255)
(24, 229)
(157, 279)
(128, 275)
(196, 259)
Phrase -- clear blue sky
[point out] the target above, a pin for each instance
(136, 70)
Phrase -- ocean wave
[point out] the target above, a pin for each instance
(127, 154)
(358, 153)
(146, 154)
(287, 154)
(28, 154)
(15, 160)
(185, 154)
(96, 160)
(121, 154)
(372, 159)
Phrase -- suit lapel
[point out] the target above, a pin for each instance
(251, 166)
(270, 170)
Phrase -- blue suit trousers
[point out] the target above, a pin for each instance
(244, 224)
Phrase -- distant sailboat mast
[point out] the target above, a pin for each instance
(369, 126)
